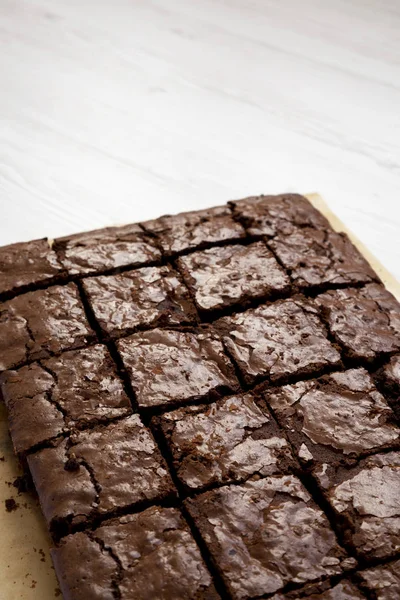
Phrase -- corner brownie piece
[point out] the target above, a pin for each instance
(222, 277)
(365, 321)
(278, 340)
(366, 500)
(139, 299)
(169, 366)
(105, 249)
(45, 399)
(382, 582)
(98, 471)
(316, 257)
(26, 264)
(344, 590)
(226, 441)
(41, 323)
(147, 555)
(197, 229)
(283, 214)
(266, 533)
(335, 418)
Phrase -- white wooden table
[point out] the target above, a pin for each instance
(120, 110)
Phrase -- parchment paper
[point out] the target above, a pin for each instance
(26, 572)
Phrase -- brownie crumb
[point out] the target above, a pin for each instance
(2, 458)
(21, 484)
(57, 592)
(11, 505)
(72, 464)
(43, 555)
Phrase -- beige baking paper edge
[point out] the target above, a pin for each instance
(26, 572)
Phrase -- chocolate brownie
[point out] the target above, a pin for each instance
(169, 366)
(105, 249)
(222, 277)
(98, 472)
(197, 229)
(45, 399)
(335, 418)
(139, 299)
(344, 590)
(317, 257)
(150, 555)
(27, 264)
(278, 340)
(41, 323)
(266, 533)
(365, 321)
(272, 215)
(383, 582)
(226, 441)
(366, 500)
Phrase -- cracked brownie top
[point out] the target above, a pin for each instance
(222, 277)
(266, 533)
(38, 324)
(100, 470)
(105, 249)
(366, 498)
(197, 229)
(271, 215)
(226, 441)
(139, 299)
(148, 555)
(365, 321)
(315, 257)
(26, 264)
(335, 418)
(76, 389)
(278, 340)
(168, 366)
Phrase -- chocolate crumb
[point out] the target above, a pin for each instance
(21, 484)
(72, 464)
(11, 505)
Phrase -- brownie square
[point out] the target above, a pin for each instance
(283, 214)
(365, 321)
(335, 418)
(147, 555)
(278, 340)
(266, 533)
(105, 249)
(139, 299)
(169, 366)
(382, 582)
(41, 323)
(366, 500)
(315, 257)
(77, 389)
(344, 590)
(98, 472)
(197, 229)
(225, 276)
(223, 442)
(27, 264)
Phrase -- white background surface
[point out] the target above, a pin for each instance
(115, 111)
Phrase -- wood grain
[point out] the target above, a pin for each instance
(119, 111)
